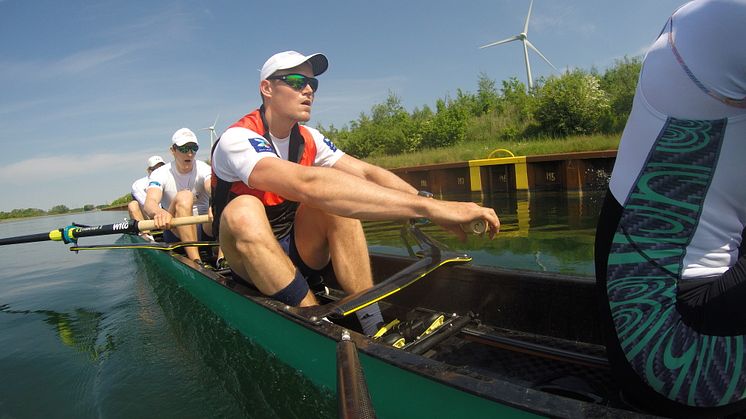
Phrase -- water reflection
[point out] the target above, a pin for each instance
(255, 381)
(541, 231)
(79, 330)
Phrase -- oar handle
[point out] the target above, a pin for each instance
(147, 225)
(475, 227)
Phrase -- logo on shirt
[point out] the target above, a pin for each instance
(261, 145)
(154, 183)
(330, 144)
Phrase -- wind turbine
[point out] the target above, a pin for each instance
(211, 128)
(523, 37)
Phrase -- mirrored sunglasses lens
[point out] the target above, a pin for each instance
(296, 81)
(187, 148)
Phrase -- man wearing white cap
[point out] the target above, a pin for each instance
(139, 189)
(180, 189)
(286, 201)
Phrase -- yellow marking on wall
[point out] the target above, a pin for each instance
(519, 164)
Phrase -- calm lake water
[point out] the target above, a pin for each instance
(103, 334)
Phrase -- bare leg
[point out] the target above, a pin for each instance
(207, 228)
(319, 236)
(251, 249)
(134, 210)
(182, 207)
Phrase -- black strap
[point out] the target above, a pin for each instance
(221, 195)
(297, 145)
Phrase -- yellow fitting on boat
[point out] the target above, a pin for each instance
(399, 343)
(55, 235)
(386, 328)
(433, 326)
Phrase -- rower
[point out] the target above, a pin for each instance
(181, 189)
(287, 201)
(139, 189)
(670, 272)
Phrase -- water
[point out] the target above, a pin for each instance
(550, 232)
(99, 334)
(103, 334)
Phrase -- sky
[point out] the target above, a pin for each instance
(90, 89)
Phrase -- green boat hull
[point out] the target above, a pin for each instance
(394, 391)
(484, 362)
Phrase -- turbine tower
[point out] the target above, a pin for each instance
(523, 37)
(211, 128)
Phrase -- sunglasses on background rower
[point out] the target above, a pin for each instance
(187, 148)
(297, 81)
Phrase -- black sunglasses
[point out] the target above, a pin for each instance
(297, 81)
(186, 148)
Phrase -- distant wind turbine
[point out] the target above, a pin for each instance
(523, 37)
(211, 128)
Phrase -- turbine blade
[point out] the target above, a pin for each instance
(525, 26)
(216, 120)
(528, 65)
(512, 38)
(540, 54)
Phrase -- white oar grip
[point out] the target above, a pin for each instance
(475, 227)
(147, 225)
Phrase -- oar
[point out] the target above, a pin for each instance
(148, 245)
(435, 255)
(72, 233)
(353, 399)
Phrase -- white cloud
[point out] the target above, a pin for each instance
(72, 64)
(39, 170)
(90, 59)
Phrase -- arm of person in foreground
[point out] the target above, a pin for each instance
(340, 193)
(372, 173)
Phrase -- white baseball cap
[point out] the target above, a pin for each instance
(290, 59)
(183, 136)
(153, 160)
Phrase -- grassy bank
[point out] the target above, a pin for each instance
(471, 150)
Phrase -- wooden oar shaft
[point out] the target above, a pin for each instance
(148, 225)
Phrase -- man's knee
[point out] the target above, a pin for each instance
(184, 202)
(316, 218)
(243, 218)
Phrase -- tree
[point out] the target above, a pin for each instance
(571, 104)
(446, 128)
(59, 209)
(89, 207)
(124, 199)
(487, 95)
(619, 82)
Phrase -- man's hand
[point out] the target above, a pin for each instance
(452, 215)
(162, 219)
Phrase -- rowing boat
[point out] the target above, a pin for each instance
(511, 343)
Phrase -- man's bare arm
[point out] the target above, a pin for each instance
(337, 192)
(372, 173)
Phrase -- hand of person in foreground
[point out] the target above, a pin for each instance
(453, 215)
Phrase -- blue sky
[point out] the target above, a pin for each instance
(90, 89)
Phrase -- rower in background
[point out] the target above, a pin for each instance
(139, 191)
(670, 267)
(181, 188)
